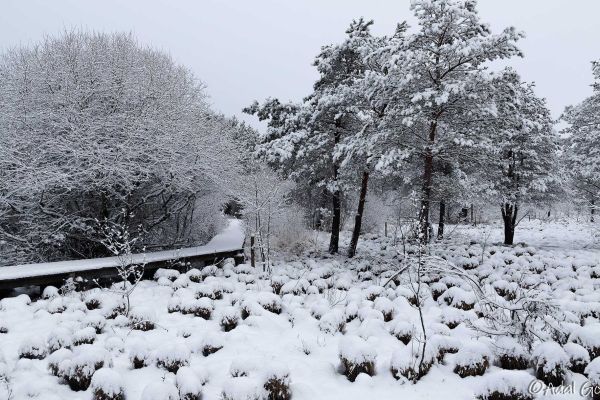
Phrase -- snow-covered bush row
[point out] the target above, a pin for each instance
(332, 328)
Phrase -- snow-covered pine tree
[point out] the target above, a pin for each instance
(582, 150)
(440, 77)
(522, 155)
(314, 141)
(348, 72)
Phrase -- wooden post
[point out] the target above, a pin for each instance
(385, 228)
(252, 256)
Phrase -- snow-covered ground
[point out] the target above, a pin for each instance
(236, 332)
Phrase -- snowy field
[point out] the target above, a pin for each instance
(313, 324)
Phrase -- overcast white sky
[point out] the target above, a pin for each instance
(251, 49)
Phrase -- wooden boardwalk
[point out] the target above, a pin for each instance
(227, 244)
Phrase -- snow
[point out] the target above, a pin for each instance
(188, 381)
(230, 239)
(505, 382)
(303, 343)
(356, 350)
(108, 381)
(160, 391)
(549, 356)
(593, 371)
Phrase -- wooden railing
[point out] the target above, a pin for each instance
(228, 244)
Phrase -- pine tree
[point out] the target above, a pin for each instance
(522, 150)
(441, 81)
(582, 149)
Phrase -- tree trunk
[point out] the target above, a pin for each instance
(359, 214)
(335, 222)
(509, 216)
(334, 241)
(440, 233)
(592, 210)
(426, 190)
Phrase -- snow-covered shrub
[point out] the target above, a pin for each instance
(202, 307)
(296, 287)
(373, 292)
(250, 307)
(403, 331)
(107, 384)
(439, 345)
(333, 321)
(50, 292)
(508, 290)
(140, 355)
(241, 366)
(452, 317)
(33, 347)
(351, 312)
(318, 308)
(472, 359)
(241, 388)
(56, 358)
(357, 357)
(142, 318)
(113, 309)
(209, 270)
(182, 281)
(160, 390)
(386, 307)
(114, 344)
(459, 298)
(437, 289)
(57, 305)
(59, 338)
(163, 281)
(230, 317)
(277, 382)
(511, 354)
(189, 384)
(592, 371)
(78, 370)
(92, 300)
(269, 302)
(212, 292)
(551, 363)
(3, 328)
(589, 337)
(95, 321)
(211, 344)
(84, 336)
(365, 313)
(505, 385)
(343, 283)
(170, 274)
(174, 304)
(172, 357)
(408, 364)
(194, 275)
(579, 358)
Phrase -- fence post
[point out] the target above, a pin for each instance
(385, 228)
(252, 256)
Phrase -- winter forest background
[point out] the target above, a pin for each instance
(100, 129)
(420, 167)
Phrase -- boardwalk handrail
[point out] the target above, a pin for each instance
(229, 243)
